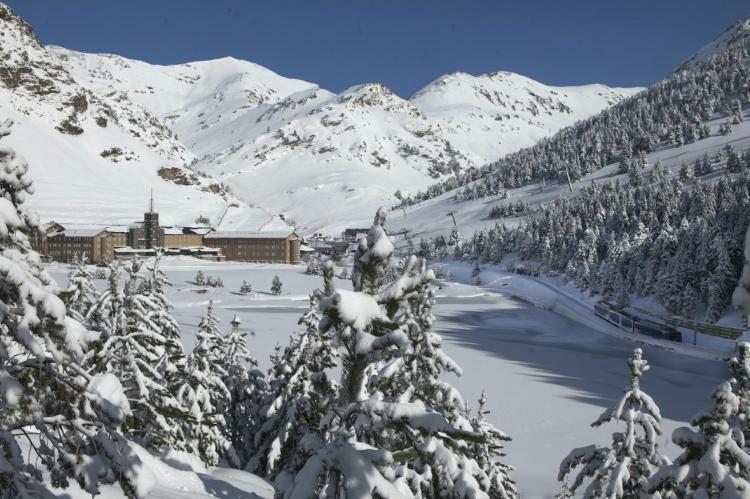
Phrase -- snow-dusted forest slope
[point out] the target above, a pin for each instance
(646, 199)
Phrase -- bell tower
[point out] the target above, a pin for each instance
(151, 229)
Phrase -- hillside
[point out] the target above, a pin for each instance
(657, 207)
(289, 146)
(734, 36)
(102, 153)
(490, 115)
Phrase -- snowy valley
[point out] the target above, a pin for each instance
(481, 336)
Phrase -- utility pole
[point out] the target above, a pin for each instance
(453, 217)
(567, 174)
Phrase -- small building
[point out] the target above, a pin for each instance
(94, 244)
(279, 247)
(334, 249)
(353, 235)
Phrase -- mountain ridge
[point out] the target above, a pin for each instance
(264, 143)
(358, 146)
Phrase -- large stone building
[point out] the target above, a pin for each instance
(103, 244)
(270, 247)
(93, 244)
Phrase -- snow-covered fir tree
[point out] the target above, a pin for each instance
(713, 465)
(622, 469)
(314, 266)
(741, 295)
(683, 246)
(157, 311)
(81, 294)
(246, 288)
(414, 375)
(134, 348)
(739, 367)
(247, 389)
(200, 278)
(371, 442)
(276, 285)
(206, 397)
(42, 384)
(487, 452)
(300, 393)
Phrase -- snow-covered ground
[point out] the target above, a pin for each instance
(547, 376)
(180, 477)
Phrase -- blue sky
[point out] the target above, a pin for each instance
(404, 44)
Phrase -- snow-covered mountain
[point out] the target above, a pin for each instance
(725, 116)
(290, 146)
(488, 116)
(94, 156)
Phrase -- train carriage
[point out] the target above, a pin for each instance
(632, 324)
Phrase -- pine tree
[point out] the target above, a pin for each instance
(741, 294)
(739, 367)
(138, 353)
(205, 395)
(475, 271)
(157, 311)
(455, 237)
(299, 394)
(43, 385)
(488, 450)
(247, 388)
(365, 444)
(623, 469)
(81, 294)
(246, 288)
(276, 285)
(719, 282)
(415, 375)
(200, 278)
(712, 464)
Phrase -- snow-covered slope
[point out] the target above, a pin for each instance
(491, 115)
(293, 148)
(429, 218)
(95, 156)
(732, 36)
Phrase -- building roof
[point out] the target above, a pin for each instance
(199, 230)
(173, 231)
(248, 235)
(117, 228)
(79, 232)
(128, 249)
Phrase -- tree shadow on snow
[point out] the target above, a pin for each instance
(560, 351)
(219, 488)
